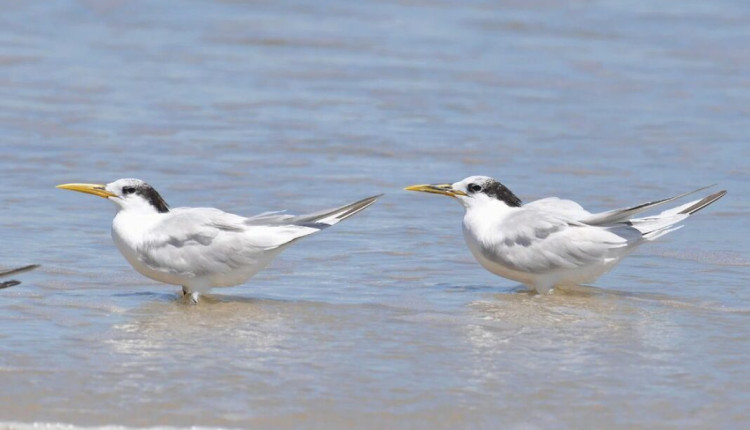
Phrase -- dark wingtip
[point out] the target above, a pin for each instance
(19, 270)
(704, 202)
(13, 282)
(359, 206)
(8, 284)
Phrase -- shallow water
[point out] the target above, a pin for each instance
(385, 320)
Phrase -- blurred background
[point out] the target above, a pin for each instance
(384, 321)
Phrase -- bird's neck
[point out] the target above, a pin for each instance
(489, 207)
(486, 216)
(139, 206)
(132, 223)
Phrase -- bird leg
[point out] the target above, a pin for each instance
(543, 288)
(192, 296)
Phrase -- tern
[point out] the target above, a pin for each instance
(12, 272)
(201, 248)
(554, 242)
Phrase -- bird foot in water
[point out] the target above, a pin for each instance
(190, 297)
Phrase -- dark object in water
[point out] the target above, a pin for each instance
(7, 284)
(13, 282)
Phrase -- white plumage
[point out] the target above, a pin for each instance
(552, 242)
(202, 248)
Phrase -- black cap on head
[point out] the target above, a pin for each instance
(494, 189)
(152, 196)
(129, 186)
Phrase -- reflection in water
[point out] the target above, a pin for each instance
(221, 323)
(588, 339)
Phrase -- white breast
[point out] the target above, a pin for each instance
(473, 242)
(128, 230)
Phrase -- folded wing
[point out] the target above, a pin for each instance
(541, 242)
(201, 241)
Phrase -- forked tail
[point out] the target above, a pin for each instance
(658, 225)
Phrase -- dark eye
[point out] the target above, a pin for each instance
(474, 188)
(128, 190)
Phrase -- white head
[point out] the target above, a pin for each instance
(128, 194)
(473, 191)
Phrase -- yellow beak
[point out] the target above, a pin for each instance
(444, 189)
(95, 189)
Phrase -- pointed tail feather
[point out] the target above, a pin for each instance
(19, 270)
(654, 234)
(289, 228)
(665, 222)
(704, 202)
(13, 282)
(326, 218)
(624, 214)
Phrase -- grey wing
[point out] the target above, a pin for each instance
(296, 227)
(538, 242)
(198, 241)
(319, 220)
(624, 214)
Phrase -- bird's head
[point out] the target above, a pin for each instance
(473, 191)
(128, 194)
